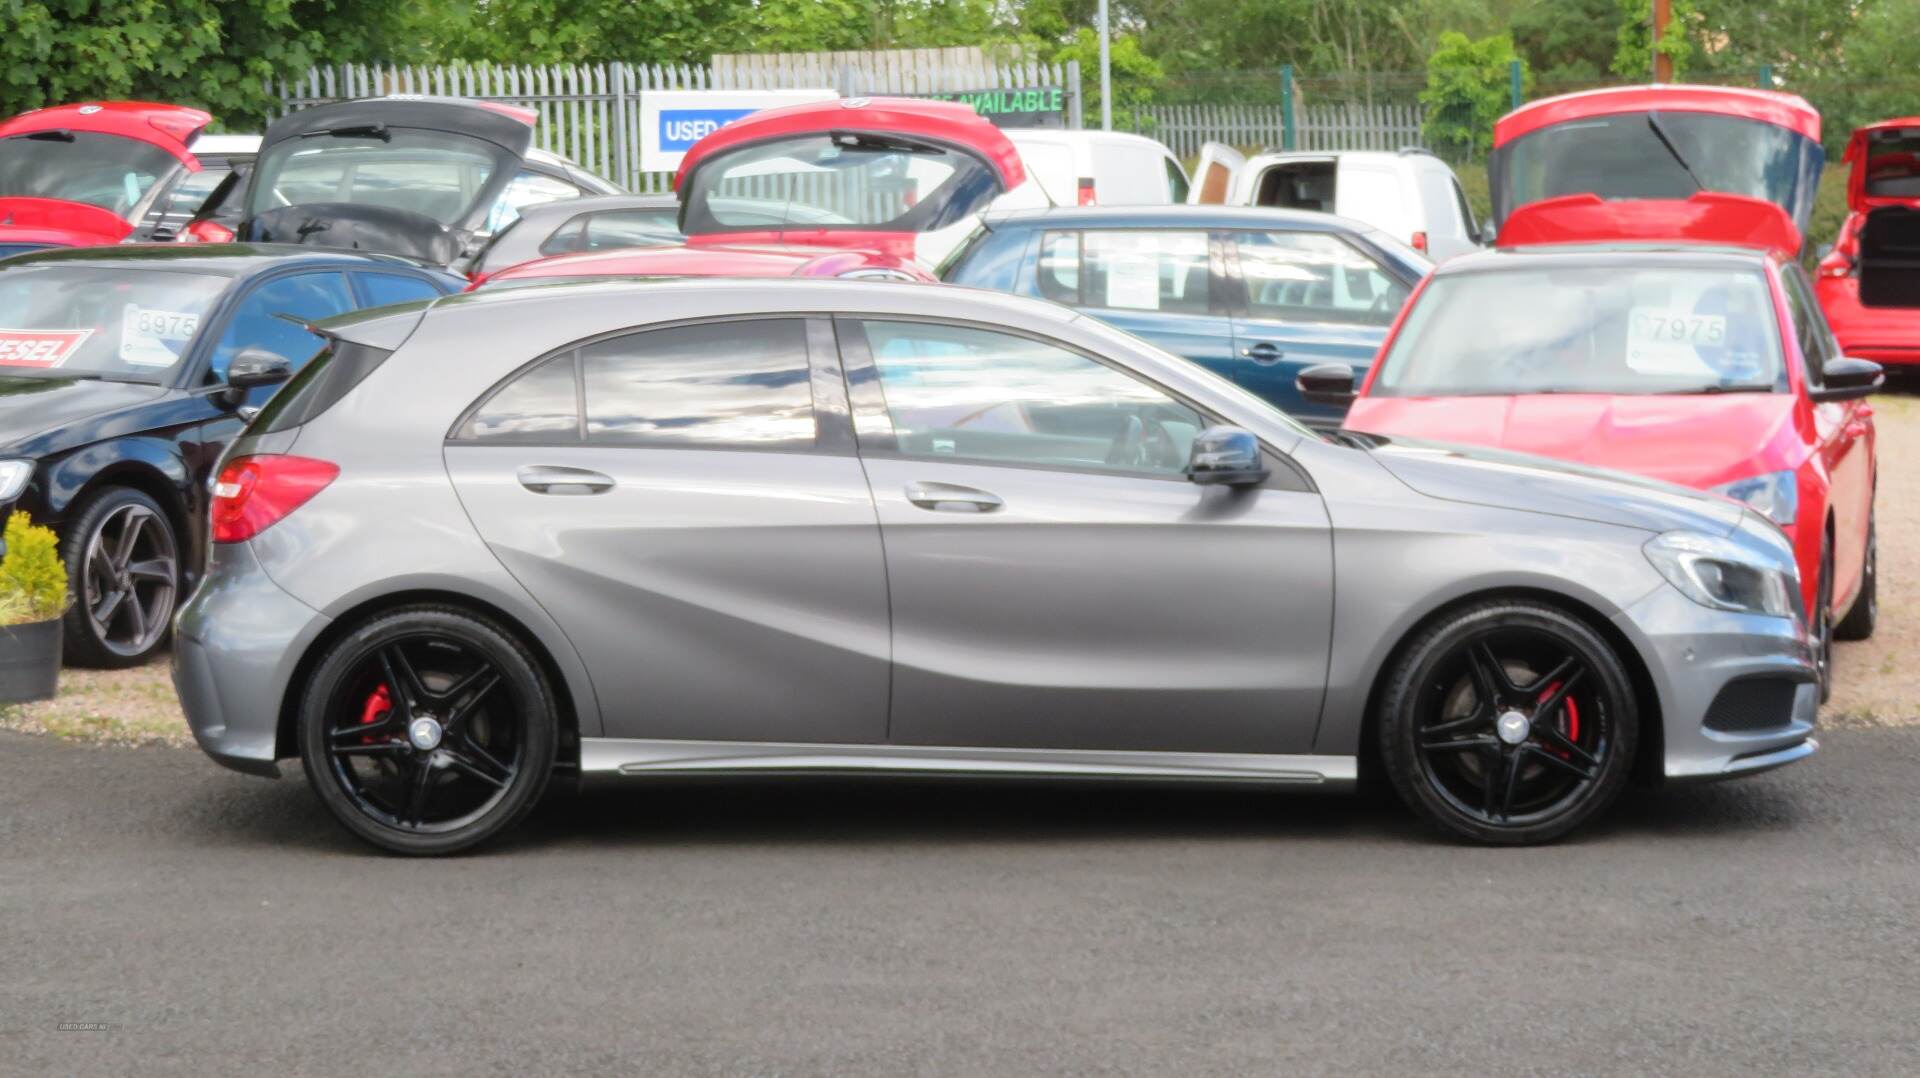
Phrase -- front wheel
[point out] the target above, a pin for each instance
(428, 730)
(1508, 723)
(123, 565)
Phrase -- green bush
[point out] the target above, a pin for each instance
(1469, 86)
(33, 579)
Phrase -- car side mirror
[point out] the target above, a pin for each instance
(1226, 456)
(1847, 379)
(1488, 233)
(253, 367)
(1327, 383)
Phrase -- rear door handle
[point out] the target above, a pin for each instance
(949, 498)
(551, 479)
(1263, 352)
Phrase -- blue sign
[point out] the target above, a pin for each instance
(681, 128)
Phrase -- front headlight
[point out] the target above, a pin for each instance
(13, 478)
(1774, 495)
(1723, 574)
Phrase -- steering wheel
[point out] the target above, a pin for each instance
(1144, 444)
(1380, 305)
(1131, 445)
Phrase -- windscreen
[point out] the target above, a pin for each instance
(1592, 329)
(119, 322)
(1659, 154)
(436, 174)
(837, 181)
(107, 171)
(1893, 164)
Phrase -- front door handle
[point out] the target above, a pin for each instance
(1263, 353)
(949, 498)
(551, 479)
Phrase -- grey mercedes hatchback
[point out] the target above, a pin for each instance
(622, 530)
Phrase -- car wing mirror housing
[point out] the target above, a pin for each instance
(1327, 383)
(253, 367)
(1847, 378)
(1226, 456)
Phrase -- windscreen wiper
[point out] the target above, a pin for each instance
(1660, 132)
(48, 136)
(861, 141)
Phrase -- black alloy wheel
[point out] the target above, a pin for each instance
(1508, 723)
(123, 567)
(428, 730)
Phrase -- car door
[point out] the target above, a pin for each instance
(1844, 432)
(1056, 582)
(1302, 299)
(1161, 285)
(687, 504)
(1214, 175)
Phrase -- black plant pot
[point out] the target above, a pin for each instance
(29, 661)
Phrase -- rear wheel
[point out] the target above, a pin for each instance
(1508, 723)
(123, 566)
(1858, 624)
(428, 731)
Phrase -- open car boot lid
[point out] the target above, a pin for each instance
(1883, 162)
(863, 173)
(410, 176)
(75, 175)
(1706, 217)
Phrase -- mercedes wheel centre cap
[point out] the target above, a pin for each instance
(1512, 727)
(425, 733)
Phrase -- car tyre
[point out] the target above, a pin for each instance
(1858, 624)
(1823, 620)
(123, 568)
(428, 730)
(1508, 723)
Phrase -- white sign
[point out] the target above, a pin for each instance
(671, 121)
(1663, 340)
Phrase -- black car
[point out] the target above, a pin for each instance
(124, 372)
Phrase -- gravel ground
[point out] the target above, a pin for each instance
(1875, 687)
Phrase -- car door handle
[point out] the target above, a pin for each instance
(1263, 353)
(949, 498)
(551, 479)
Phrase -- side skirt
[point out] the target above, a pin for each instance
(606, 758)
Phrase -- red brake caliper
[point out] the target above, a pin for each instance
(1573, 713)
(379, 702)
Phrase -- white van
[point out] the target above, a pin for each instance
(1104, 168)
(1410, 195)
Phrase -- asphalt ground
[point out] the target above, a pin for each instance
(216, 923)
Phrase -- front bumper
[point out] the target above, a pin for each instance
(259, 632)
(1694, 654)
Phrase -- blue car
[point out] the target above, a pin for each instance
(1254, 295)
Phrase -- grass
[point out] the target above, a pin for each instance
(122, 707)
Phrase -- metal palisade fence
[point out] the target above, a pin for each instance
(1344, 125)
(591, 112)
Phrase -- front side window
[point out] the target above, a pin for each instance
(838, 181)
(107, 171)
(961, 393)
(1315, 277)
(271, 314)
(119, 321)
(1127, 270)
(1809, 326)
(1610, 329)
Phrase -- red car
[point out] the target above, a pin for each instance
(1707, 365)
(860, 187)
(82, 175)
(1869, 283)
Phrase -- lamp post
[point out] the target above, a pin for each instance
(1106, 72)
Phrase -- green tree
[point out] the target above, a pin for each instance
(1469, 86)
(1567, 41)
(216, 54)
(1136, 76)
(1633, 51)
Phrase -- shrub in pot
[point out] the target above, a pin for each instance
(33, 597)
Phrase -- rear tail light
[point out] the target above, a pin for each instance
(253, 493)
(206, 232)
(1419, 241)
(1086, 191)
(1836, 265)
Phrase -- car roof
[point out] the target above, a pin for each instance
(1176, 215)
(1548, 256)
(597, 203)
(170, 127)
(224, 259)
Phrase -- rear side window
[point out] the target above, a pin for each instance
(720, 385)
(339, 367)
(1314, 277)
(614, 228)
(1127, 270)
(385, 288)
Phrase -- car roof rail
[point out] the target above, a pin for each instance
(1404, 150)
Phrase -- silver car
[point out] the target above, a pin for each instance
(622, 530)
